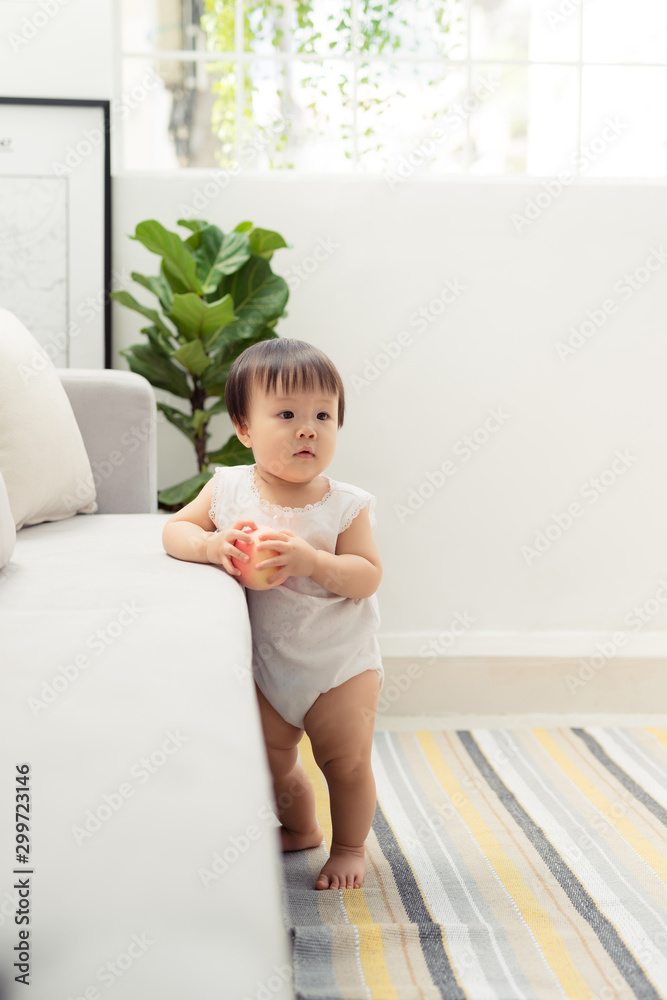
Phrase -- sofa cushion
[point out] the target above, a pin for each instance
(42, 455)
(7, 527)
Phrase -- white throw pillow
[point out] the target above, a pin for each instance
(7, 526)
(42, 455)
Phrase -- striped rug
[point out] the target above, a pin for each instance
(523, 864)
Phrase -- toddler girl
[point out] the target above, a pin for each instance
(316, 658)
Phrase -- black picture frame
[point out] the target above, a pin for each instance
(57, 140)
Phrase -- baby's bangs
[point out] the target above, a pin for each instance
(284, 366)
(292, 366)
(309, 377)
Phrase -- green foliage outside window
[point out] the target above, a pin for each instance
(383, 27)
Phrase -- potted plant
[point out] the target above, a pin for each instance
(217, 295)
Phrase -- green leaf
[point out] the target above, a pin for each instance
(218, 254)
(243, 227)
(219, 407)
(179, 419)
(175, 497)
(199, 419)
(193, 357)
(160, 371)
(176, 259)
(196, 319)
(153, 315)
(157, 339)
(259, 296)
(263, 242)
(231, 453)
(194, 224)
(158, 286)
(214, 380)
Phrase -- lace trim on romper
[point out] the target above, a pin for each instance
(276, 506)
(216, 497)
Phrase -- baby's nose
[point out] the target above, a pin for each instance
(307, 431)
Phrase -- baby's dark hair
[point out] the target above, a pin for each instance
(284, 364)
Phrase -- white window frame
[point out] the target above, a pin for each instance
(241, 58)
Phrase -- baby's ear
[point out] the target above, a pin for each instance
(242, 433)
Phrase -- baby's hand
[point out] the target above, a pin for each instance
(297, 556)
(221, 548)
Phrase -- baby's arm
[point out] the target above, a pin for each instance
(354, 570)
(190, 534)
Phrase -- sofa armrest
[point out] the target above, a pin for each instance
(117, 416)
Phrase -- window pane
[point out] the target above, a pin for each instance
(410, 118)
(430, 28)
(168, 25)
(624, 130)
(315, 28)
(614, 31)
(308, 107)
(171, 106)
(529, 124)
(553, 115)
(524, 29)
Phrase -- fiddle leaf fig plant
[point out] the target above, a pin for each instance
(216, 295)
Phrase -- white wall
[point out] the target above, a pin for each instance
(56, 48)
(492, 349)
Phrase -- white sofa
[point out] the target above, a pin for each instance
(126, 686)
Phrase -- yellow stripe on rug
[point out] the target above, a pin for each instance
(623, 825)
(551, 942)
(371, 949)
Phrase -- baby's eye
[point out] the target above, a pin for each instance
(287, 414)
(323, 416)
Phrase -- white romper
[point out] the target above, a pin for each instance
(305, 639)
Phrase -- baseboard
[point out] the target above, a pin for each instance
(458, 641)
(500, 685)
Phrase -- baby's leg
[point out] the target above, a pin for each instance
(340, 727)
(294, 795)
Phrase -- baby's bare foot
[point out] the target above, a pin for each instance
(292, 840)
(345, 868)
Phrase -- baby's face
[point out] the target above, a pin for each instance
(293, 436)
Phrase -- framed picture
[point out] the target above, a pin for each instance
(55, 225)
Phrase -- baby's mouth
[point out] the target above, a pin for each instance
(306, 452)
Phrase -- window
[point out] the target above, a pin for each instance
(396, 87)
